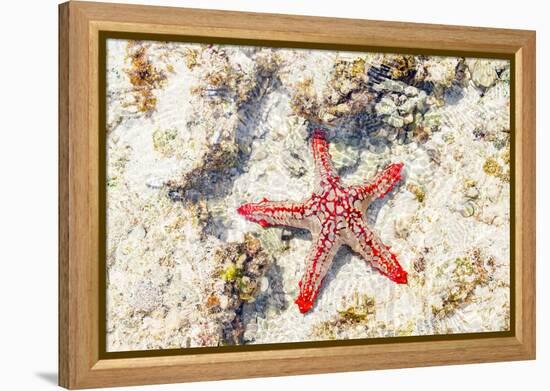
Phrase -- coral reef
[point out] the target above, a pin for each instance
(466, 273)
(346, 93)
(144, 77)
(355, 317)
(234, 281)
(389, 95)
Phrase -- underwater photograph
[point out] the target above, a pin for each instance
(265, 195)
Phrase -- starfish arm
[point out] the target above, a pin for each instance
(323, 161)
(318, 263)
(381, 185)
(369, 246)
(269, 213)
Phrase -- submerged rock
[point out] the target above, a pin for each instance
(483, 72)
(236, 280)
(346, 93)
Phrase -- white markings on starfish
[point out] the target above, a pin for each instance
(334, 215)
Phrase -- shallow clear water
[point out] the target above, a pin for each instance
(196, 131)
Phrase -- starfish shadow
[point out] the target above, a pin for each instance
(376, 206)
(342, 257)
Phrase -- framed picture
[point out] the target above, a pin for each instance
(296, 194)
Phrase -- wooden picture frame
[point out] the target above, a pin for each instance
(81, 362)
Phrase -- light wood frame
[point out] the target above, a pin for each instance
(80, 364)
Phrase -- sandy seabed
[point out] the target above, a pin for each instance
(194, 131)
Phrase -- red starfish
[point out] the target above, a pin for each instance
(334, 215)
